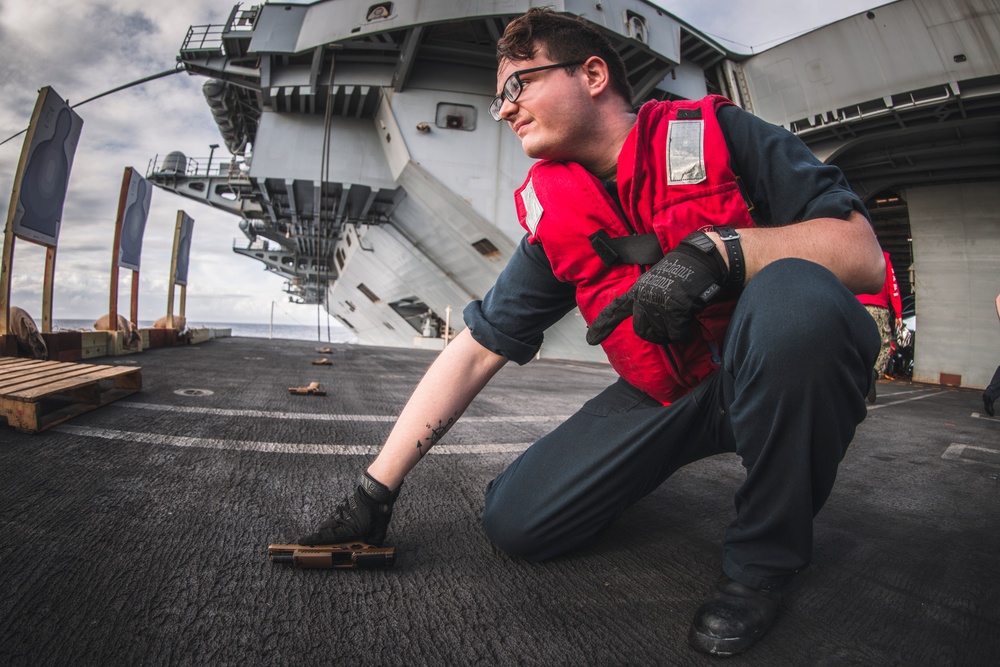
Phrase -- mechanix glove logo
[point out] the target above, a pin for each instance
(664, 300)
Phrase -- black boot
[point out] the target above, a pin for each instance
(872, 389)
(988, 405)
(733, 618)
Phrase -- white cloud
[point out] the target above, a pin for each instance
(81, 49)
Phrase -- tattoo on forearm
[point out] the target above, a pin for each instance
(436, 433)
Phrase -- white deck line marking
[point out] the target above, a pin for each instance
(955, 451)
(312, 416)
(904, 393)
(276, 447)
(905, 400)
(980, 415)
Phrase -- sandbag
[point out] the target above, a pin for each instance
(29, 338)
(179, 323)
(133, 339)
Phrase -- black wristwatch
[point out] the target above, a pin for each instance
(737, 265)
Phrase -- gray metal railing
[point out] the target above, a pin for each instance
(202, 38)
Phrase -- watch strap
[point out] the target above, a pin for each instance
(734, 252)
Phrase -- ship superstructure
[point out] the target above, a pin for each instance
(367, 171)
(365, 167)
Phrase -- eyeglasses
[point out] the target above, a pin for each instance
(513, 86)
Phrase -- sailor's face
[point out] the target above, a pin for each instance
(547, 113)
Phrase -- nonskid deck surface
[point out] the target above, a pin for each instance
(138, 533)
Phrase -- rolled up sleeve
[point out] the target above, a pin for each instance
(525, 301)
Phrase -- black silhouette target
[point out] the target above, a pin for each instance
(184, 250)
(134, 221)
(45, 179)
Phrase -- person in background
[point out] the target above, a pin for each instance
(712, 255)
(879, 305)
(993, 390)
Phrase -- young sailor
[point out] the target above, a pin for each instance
(716, 260)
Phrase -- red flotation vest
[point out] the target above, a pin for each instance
(673, 178)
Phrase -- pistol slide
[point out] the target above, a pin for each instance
(348, 555)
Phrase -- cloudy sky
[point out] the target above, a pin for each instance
(82, 48)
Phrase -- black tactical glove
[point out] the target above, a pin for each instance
(360, 517)
(665, 299)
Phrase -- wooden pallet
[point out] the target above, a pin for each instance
(35, 395)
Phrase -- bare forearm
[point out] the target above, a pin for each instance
(446, 390)
(847, 247)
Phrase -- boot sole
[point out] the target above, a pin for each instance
(723, 646)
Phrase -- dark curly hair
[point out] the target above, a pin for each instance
(563, 38)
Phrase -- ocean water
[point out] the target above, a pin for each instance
(249, 329)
